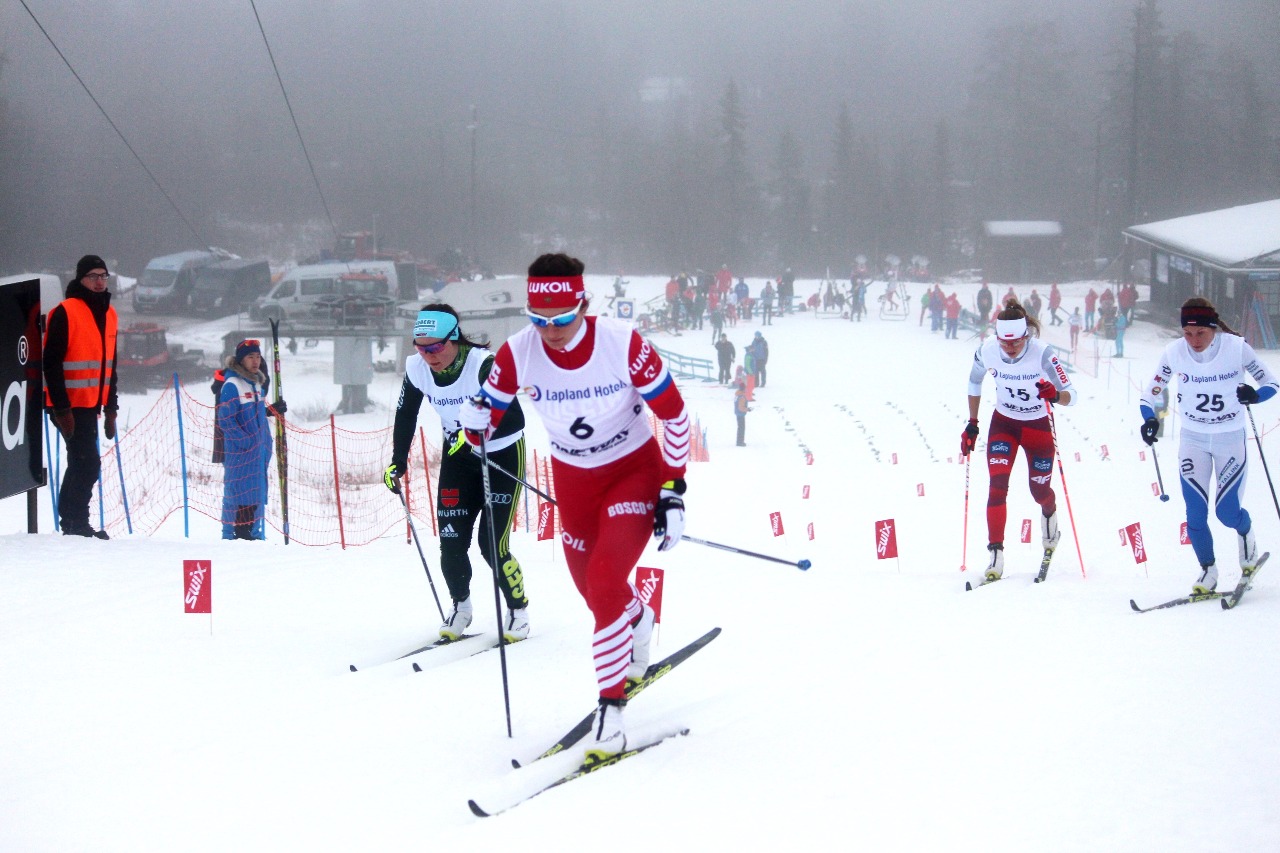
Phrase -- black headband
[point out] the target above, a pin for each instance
(1199, 315)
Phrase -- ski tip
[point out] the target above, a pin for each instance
(968, 587)
(1226, 603)
(1134, 605)
(353, 667)
(515, 764)
(417, 668)
(476, 810)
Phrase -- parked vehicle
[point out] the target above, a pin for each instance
(229, 287)
(308, 294)
(146, 358)
(166, 282)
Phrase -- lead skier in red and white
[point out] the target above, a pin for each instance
(1028, 378)
(590, 379)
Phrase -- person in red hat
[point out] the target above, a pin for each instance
(590, 379)
(80, 384)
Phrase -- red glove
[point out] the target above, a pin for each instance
(1045, 391)
(969, 438)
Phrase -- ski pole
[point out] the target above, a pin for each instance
(802, 565)
(1263, 457)
(414, 530)
(1159, 479)
(1062, 475)
(495, 466)
(968, 457)
(497, 596)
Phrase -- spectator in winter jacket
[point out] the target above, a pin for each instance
(79, 384)
(1055, 302)
(759, 349)
(242, 415)
(1090, 303)
(1127, 298)
(1075, 322)
(725, 354)
(766, 304)
(740, 409)
(952, 311)
(984, 303)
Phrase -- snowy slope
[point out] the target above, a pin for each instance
(861, 705)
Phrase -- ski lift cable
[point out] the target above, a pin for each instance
(200, 240)
(302, 143)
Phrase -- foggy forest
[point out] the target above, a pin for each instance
(643, 137)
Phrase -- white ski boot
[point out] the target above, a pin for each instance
(641, 634)
(995, 569)
(607, 735)
(1049, 533)
(517, 627)
(1208, 581)
(457, 623)
(1248, 550)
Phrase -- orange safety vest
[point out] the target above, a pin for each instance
(86, 373)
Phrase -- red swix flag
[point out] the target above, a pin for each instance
(546, 521)
(1155, 489)
(920, 489)
(1183, 538)
(811, 531)
(649, 585)
(804, 494)
(886, 539)
(775, 520)
(1134, 532)
(1026, 530)
(197, 586)
(894, 456)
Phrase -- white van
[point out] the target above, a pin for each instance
(166, 282)
(309, 292)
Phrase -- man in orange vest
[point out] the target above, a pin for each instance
(80, 383)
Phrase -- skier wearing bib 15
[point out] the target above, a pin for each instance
(446, 371)
(590, 379)
(1028, 379)
(1211, 368)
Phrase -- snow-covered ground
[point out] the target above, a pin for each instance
(864, 704)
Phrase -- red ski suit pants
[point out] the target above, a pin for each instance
(1004, 437)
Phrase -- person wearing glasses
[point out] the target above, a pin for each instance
(79, 355)
(246, 441)
(590, 379)
(448, 369)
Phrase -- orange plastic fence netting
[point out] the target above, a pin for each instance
(163, 465)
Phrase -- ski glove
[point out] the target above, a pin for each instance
(279, 407)
(969, 438)
(65, 422)
(109, 423)
(1150, 427)
(391, 477)
(1045, 391)
(475, 415)
(455, 441)
(668, 515)
(1246, 394)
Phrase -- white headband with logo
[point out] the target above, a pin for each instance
(1011, 330)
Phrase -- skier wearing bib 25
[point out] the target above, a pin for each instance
(446, 371)
(590, 379)
(1211, 368)
(1028, 378)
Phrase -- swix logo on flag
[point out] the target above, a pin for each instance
(649, 585)
(1183, 538)
(895, 458)
(886, 539)
(775, 521)
(808, 459)
(1026, 530)
(1155, 489)
(811, 531)
(1077, 455)
(804, 493)
(197, 586)
(920, 489)
(1106, 454)
(448, 497)
(1134, 532)
(546, 521)
(1142, 456)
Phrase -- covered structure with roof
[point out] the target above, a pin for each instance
(1230, 256)
(1021, 250)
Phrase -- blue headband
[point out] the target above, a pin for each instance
(436, 324)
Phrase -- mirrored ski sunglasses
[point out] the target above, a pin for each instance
(431, 349)
(558, 320)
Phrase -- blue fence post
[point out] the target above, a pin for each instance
(124, 493)
(54, 481)
(182, 451)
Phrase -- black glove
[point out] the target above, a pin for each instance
(65, 422)
(279, 406)
(109, 423)
(1246, 394)
(1150, 427)
(1045, 391)
(969, 438)
(391, 477)
(668, 515)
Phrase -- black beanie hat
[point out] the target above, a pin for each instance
(89, 263)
